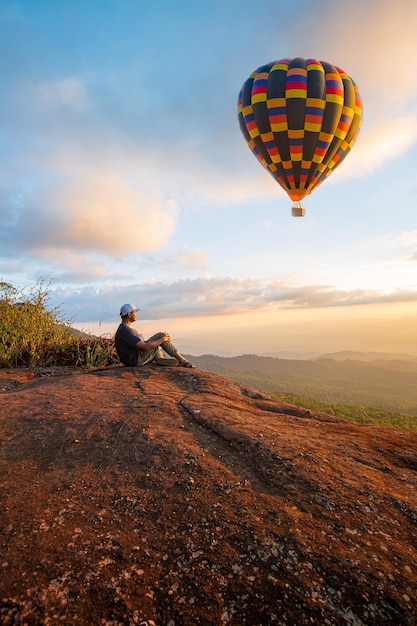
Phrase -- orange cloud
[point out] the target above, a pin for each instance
(108, 215)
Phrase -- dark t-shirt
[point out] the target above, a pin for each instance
(125, 341)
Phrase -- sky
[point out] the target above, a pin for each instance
(124, 176)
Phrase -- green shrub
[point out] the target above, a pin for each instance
(351, 413)
(33, 335)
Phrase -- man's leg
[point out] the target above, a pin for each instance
(168, 347)
(146, 356)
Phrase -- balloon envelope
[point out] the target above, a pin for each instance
(300, 117)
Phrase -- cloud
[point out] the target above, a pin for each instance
(407, 238)
(192, 259)
(373, 42)
(378, 144)
(216, 296)
(384, 67)
(65, 93)
(394, 251)
(88, 212)
(109, 216)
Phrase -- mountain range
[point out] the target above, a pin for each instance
(383, 382)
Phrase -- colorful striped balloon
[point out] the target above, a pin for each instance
(300, 117)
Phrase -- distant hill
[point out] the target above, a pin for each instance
(343, 355)
(346, 355)
(80, 334)
(292, 355)
(388, 385)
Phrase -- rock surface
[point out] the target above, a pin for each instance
(178, 497)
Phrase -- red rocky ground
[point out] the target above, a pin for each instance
(178, 497)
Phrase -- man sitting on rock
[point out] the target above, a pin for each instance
(134, 350)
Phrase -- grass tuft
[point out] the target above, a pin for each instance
(34, 335)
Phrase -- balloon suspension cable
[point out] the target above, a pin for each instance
(297, 210)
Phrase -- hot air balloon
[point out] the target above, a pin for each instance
(300, 117)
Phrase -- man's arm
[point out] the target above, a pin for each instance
(143, 345)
